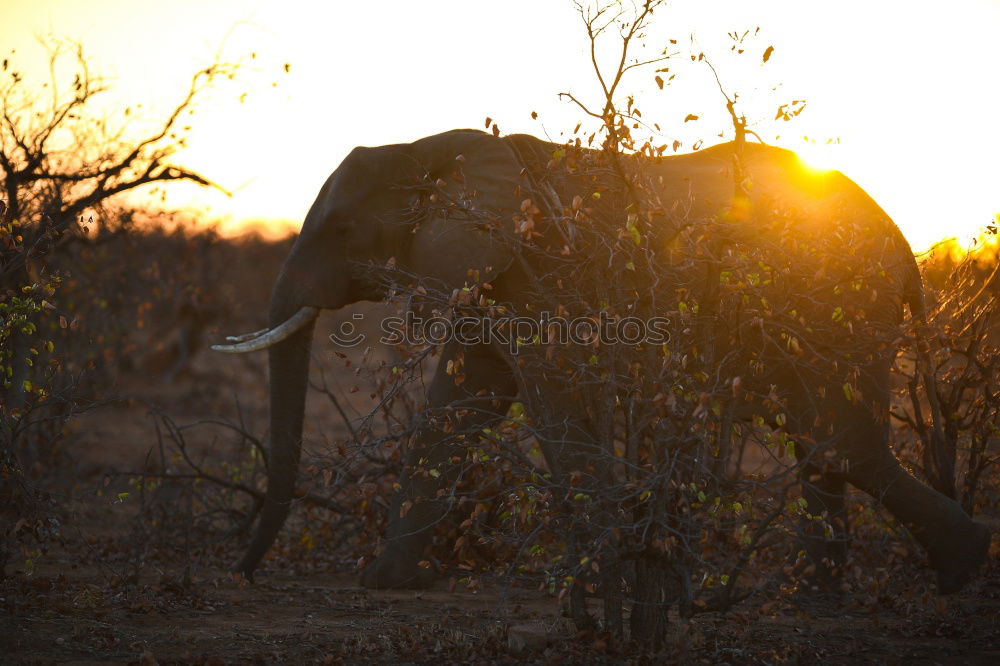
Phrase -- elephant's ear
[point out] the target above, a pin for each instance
(464, 236)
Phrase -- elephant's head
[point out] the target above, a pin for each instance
(431, 209)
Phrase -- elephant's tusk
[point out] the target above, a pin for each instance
(246, 336)
(268, 337)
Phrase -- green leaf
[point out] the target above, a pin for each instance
(636, 237)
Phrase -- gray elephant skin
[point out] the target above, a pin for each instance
(374, 208)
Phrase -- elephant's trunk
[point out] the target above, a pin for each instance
(289, 368)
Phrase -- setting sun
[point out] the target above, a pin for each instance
(820, 156)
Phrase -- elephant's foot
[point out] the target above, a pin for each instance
(818, 576)
(392, 571)
(827, 557)
(962, 560)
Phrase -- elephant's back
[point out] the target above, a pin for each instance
(834, 245)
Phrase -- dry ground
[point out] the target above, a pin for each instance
(97, 596)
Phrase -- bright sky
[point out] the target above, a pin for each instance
(908, 87)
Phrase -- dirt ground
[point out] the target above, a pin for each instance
(89, 601)
(74, 613)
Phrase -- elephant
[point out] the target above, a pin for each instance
(442, 211)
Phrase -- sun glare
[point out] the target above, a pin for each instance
(820, 156)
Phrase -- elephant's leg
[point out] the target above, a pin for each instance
(823, 491)
(956, 546)
(578, 463)
(482, 397)
(581, 465)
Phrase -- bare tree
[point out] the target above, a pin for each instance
(951, 399)
(61, 160)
